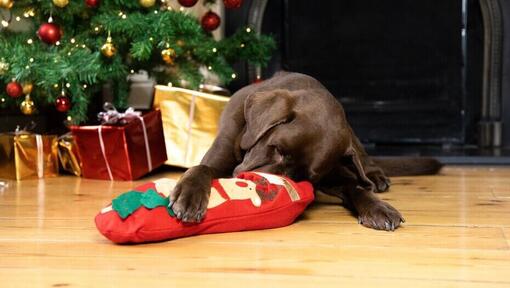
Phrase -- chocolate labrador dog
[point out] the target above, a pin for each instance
(291, 125)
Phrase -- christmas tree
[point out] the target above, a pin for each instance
(73, 47)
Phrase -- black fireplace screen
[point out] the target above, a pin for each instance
(397, 66)
(406, 71)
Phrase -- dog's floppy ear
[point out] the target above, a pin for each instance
(263, 111)
(358, 154)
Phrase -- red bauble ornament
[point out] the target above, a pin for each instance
(232, 4)
(92, 3)
(63, 103)
(210, 21)
(14, 89)
(49, 33)
(188, 3)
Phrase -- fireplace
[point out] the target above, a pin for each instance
(409, 74)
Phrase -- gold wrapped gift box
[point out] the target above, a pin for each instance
(68, 154)
(190, 122)
(26, 155)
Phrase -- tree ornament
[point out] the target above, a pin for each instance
(147, 3)
(168, 55)
(210, 21)
(7, 4)
(27, 107)
(49, 33)
(4, 66)
(258, 79)
(27, 88)
(232, 4)
(14, 89)
(92, 3)
(188, 3)
(63, 103)
(108, 49)
(61, 3)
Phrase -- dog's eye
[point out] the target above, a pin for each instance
(278, 150)
(282, 156)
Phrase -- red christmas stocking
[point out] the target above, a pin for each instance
(252, 201)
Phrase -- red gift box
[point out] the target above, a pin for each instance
(124, 152)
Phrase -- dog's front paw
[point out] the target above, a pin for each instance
(381, 216)
(190, 196)
(382, 183)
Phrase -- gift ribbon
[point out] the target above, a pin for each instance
(190, 123)
(112, 116)
(40, 155)
(103, 151)
(147, 148)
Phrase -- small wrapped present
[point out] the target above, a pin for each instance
(68, 154)
(126, 147)
(25, 155)
(190, 122)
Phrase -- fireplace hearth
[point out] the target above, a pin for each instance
(409, 74)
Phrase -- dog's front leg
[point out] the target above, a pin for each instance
(373, 212)
(191, 195)
(370, 210)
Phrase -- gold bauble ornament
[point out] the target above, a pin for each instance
(27, 107)
(168, 55)
(61, 3)
(108, 49)
(147, 3)
(7, 4)
(27, 88)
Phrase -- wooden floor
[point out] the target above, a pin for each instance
(457, 234)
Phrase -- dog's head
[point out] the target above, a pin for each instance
(286, 135)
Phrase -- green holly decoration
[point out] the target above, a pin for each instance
(127, 203)
(151, 199)
(170, 211)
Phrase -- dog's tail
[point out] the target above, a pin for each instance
(408, 166)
